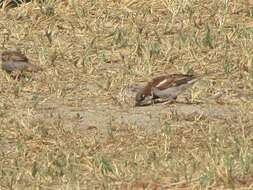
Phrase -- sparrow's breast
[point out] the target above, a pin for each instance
(15, 66)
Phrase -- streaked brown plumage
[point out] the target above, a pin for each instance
(13, 55)
(13, 61)
(7, 4)
(164, 87)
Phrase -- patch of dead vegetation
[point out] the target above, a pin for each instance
(74, 126)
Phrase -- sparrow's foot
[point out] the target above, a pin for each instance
(16, 74)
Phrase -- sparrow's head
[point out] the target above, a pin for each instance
(5, 56)
(140, 96)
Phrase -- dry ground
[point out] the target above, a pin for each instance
(73, 126)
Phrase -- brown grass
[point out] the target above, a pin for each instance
(90, 51)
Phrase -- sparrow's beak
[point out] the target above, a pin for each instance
(145, 102)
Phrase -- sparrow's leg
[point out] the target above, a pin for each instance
(16, 74)
(153, 98)
(153, 101)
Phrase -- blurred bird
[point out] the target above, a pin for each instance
(7, 4)
(165, 87)
(15, 63)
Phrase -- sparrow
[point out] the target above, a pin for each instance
(165, 87)
(12, 3)
(15, 62)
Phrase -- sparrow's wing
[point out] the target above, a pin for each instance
(147, 90)
(173, 91)
(168, 81)
(13, 56)
(19, 57)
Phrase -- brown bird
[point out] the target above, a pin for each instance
(7, 4)
(15, 62)
(165, 87)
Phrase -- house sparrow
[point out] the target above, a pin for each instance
(14, 62)
(12, 3)
(165, 87)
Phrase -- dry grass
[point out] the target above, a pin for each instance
(91, 50)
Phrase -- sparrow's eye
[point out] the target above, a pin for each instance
(140, 97)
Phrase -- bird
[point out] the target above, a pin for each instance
(164, 87)
(15, 63)
(7, 4)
